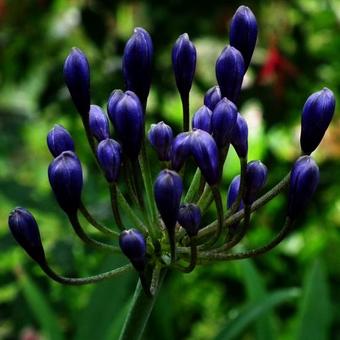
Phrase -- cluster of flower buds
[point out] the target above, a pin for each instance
(159, 216)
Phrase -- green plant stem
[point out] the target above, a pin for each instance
(124, 205)
(193, 260)
(155, 278)
(96, 224)
(243, 167)
(139, 312)
(88, 240)
(212, 256)
(186, 112)
(135, 173)
(85, 280)
(129, 182)
(194, 186)
(206, 199)
(114, 205)
(277, 189)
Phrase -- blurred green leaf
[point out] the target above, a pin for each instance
(315, 309)
(255, 310)
(41, 309)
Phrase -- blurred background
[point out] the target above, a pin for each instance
(289, 293)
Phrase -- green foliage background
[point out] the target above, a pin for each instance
(290, 293)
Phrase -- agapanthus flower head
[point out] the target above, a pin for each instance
(243, 33)
(317, 114)
(77, 79)
(239, 137)
(180, 150)
(255, 179)
(133, 245)
(212, 97)
(126, 113)
(59, 140)
(168, 190)
(223, 121)
(189, 217)
(160, 136)
(304, 180)
(137, 63)
(202, 119)
(184, 63)
(98, 122)
(205, 153)
(109, 156)
(229, 73)
(66, 179)
(25, 230)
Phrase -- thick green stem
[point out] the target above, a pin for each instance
(194, 186)
(139, 312)
(114, 205)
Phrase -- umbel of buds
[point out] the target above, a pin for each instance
(160, 209)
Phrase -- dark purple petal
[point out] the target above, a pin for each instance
(202, 119)
(160, 137)
(212, 97)
(189, 217)
(239, 137)
(98, 122)
(180, 150)
(59, 140)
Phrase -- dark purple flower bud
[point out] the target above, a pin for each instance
(230, 72)
(233, 191)
(223, 121)
(99, 124)
(184, 63)
(303, 182)
(316, 116)
(243, 33)
(66, 179)
(255, 179)
(115, 97)
(180, 150)
(77, 79)
(25, 230)
(202, 119)
(160, 137)
(109, 157)
(59, 140)
(168, 190)
(212, 97)
(133, 244)
(137, 63)
(189, 217)
(239, 137)
(205, 152)
(126, 114)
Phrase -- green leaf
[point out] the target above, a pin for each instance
(105, 304)
(254, 311)
(315, 309)
(256, 291)
(41, 310)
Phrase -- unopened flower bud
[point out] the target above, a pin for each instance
(59, 140)
(243, 33)
(205, 152)
(304, 180)
(180, 150)
(77, 79)
(223, 121)
(126, 113)
(202, 119)
(98, 122)
(189, 217)
(184, 63)
(133, 245)
(233, 191)
(255, 179)
(168, 190)
(160, 137)
(239, 137)
(25, 230)
(66, 179)
(109, 157)
(212, 97)
(137, 63)
(316, 116)
(230, 72)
